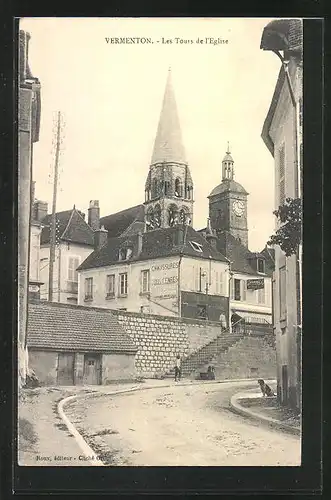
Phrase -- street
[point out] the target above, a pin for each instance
(188, 425)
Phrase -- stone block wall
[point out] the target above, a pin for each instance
(159, 339)
(250, 357)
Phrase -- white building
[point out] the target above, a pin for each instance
(282, 134)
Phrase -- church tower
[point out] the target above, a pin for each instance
(228, 204)
(169, 186)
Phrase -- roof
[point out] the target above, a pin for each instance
(116, 224)
(228, 185)
(71, 227)
(156, 244)
(281, 34)
(168, 144)
(70, 327)
(284, 35)
(238, 254)
(228, 157)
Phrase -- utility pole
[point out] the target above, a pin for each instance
(53, 219)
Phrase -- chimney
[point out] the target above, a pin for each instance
(40, 209)
(94, 215)
(140, 242)
(100, 237)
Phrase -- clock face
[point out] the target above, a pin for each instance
(238, 207)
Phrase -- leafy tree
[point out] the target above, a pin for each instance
(288, 236)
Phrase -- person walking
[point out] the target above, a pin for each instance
(178, 368)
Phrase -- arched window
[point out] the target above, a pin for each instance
(157, 216)
(178, 188)
(147, 194)
(155, 190)
(149, 219)
(166, 187)
(189, 190)
(173, 215)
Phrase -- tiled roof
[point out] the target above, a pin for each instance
(117, 223)
(71, 227)
(238, 254)
(155, 244)
(228, 185)
(75, 328)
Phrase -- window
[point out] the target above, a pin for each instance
(110, 285)
(196, 246)
(281, 166)
(88, 288)
(157, 216)
(125, 253)
(219, 279)
(202, 312)
(196, 278)
(243, 290)
(166, 187)
(261, 296)
(237, 287)
(73, 263)
(155, 190)
(123, 284)
(282, 292)
(260, 266)
(178, 188)
(145, 281)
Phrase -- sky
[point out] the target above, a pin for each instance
(110, 96)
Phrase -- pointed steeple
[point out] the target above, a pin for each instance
(168, 146)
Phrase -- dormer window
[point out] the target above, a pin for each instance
(261, 266)
(125, 253)
(196, 246)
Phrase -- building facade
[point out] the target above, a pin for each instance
(74, 242)
(150, 259)
(28, 134)
(282, 134)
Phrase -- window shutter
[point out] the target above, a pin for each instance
(281, 166)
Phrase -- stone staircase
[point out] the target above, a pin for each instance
(205, 354)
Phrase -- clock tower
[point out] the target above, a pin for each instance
(228, 204)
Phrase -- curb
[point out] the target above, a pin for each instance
(86, 449)
(236, 407)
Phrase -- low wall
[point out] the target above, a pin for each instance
(159, 339)
(44, 365)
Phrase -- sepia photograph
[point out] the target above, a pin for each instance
(160, 241)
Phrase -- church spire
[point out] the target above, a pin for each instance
(168, 146)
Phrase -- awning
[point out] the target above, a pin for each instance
(254, 317)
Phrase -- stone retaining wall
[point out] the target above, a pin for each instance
(159, 339)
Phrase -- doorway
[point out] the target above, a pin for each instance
(92, 369)
(65, 368)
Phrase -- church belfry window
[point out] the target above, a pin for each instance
(178, 188)
(173, 215)
(155, 191)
